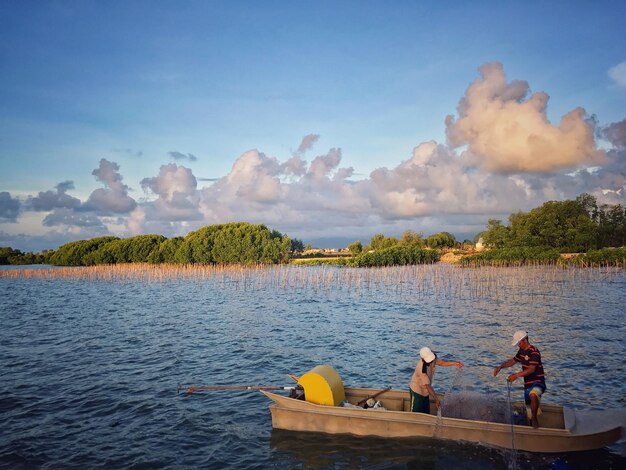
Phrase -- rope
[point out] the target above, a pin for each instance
(513, 463)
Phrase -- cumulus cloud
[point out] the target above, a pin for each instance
(307, 142)
(113, 198)
(182, 156)
(616, 134)
(503, 156)
(618, 74)
(506, 130)
(9, 207)
(69, 217)
(136, 221)
(49, 200)
(177, 199)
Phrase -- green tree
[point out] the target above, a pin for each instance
(73, 253)
(127, 250)
(397, 255)
(412, 238)
(237, 242)
(496, 235)
(166, 252)
(441, 240)
(355, 248)
(589, 204)
(611, 226)
(296, 246)
(380, 242)
(564, 225)
(6, 253)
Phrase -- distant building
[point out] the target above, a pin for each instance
(479, 244)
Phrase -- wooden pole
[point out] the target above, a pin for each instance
(196, 388)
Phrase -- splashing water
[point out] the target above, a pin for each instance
(455, 381)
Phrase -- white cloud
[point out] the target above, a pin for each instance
(618, 74)
(177, 196)
(49, 200)
(307, 142)
(512, 159)
(506, 131)
(113, 198)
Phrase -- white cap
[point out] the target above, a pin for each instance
(427, 354)
(518, 336)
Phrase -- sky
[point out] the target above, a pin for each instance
(328, 121)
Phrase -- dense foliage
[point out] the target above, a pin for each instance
(167, 252)
(567, 226)
(516, 256)
(225, 243)
(395, 256)
(74, 253)
(355, 248)
(6, 253)
(234, 243)
(125, 250)
(441, 240)
(12, 256)
(381, 242)
(603, 257)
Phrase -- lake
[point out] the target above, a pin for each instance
(90, 365)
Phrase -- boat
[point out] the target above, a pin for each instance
(561, 429)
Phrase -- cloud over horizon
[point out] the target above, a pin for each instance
(508, 131)
(502, 155)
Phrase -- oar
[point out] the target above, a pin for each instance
(362, 402)
(195, 388)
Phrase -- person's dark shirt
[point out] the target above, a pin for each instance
(531, 357)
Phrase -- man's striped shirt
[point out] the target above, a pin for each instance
(531, 357)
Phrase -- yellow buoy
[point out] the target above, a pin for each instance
(322, 386)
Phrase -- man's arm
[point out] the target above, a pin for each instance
(504, 365)
(525, 372)
(444, 363)
(431, 392)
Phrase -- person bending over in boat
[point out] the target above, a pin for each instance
(421, 388)
(532, 371)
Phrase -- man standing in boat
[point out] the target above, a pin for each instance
(421, 382)
(532, 371)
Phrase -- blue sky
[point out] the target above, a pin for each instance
(324, 120)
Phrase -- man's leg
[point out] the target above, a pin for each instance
(534, 406)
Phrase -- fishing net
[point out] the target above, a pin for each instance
(463, 402)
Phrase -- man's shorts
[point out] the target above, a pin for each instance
(419, 403)
(536, 389)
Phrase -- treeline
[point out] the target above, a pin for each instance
(516, 256)
(571, 226)
(398, 255)
(238, 242)
(12, 256)
(411, 248)
(524, 256)
(409, 238)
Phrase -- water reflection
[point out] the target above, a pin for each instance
(315, 450)
(308, 450)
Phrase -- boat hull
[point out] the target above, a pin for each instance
(298, 415)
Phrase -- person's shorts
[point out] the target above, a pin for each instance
(419, 403)
(535, 389)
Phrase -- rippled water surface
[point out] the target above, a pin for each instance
(89, 368)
